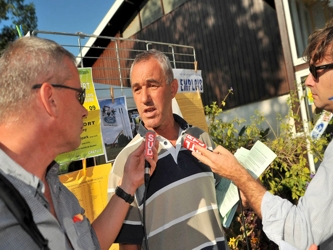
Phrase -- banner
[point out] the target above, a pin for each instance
(190, 105)
(188, 80)
(89, 185)
(321, 125)
(91, 137)
(116, 126)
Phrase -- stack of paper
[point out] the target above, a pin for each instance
(255, 161)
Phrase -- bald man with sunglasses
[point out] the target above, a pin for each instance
(310, 221)
(41, 116)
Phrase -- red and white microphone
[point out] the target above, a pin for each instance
(150, 142)
(190, 142)
(149, 145)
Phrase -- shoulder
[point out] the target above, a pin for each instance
(201, 135)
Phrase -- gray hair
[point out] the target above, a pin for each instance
(25, 62)
(158, 56)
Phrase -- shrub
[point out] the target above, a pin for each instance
(287, 176)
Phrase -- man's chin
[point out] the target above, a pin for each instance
(151, 123)
(72, 147)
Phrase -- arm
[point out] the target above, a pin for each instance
(308, 222)
(108, 224)
(225, 164)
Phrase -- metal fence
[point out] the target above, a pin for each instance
(110, 57)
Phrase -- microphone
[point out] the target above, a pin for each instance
(190, 142)
(149, 144)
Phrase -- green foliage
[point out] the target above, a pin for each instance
(287, 176)
(12, 13)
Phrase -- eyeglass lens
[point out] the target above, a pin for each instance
(82, 96)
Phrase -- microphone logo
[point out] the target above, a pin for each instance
(150, 141)
(190, 142)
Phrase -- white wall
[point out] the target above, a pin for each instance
(269, 108)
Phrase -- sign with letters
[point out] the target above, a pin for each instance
(91, 137)
(188, 80)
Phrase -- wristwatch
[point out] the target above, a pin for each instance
(125, 196)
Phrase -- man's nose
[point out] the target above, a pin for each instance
(85, 112)
(145, 95)
(309, 81)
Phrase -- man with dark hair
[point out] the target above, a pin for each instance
(310, 220)
(41, 116)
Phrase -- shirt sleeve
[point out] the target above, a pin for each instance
(310, 221)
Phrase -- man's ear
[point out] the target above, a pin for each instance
(48, 99)
(174, 87)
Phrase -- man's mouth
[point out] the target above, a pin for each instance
(148, 110)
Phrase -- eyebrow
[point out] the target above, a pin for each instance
(146, 82)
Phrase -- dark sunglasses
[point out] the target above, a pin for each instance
(81, 91)
(313, 69)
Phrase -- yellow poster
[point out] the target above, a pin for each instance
(91, 137)
(90, 185)
(191, 107)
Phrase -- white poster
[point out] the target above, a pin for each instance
(188, 80)
(116, 126)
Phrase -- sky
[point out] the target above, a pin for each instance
(69, 16)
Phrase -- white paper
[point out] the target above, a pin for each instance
(255, 161)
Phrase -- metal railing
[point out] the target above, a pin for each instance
(110, 57)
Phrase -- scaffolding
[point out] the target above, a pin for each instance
(110, 57)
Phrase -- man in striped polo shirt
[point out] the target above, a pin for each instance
(180, 206)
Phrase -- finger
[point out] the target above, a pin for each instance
(202, 150)
(313, 247)
(156, 144)
(139, 150)
(153, 161)
(219, 149)
(203, 158)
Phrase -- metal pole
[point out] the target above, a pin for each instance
(119, 68)
(173, 56)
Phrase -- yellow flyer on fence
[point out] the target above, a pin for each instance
(89, 185)
(91, 137)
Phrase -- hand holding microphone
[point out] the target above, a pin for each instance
(214, 159)
(133, 176)
(220, 160)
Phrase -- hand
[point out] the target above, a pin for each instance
(134, 168)
(313, 247)
(221, 161)
(244, 200)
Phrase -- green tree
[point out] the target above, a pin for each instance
(12, 13)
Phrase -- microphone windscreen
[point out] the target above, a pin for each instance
(190, 142)
(149, 143)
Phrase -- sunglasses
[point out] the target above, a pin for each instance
(313, 69)
(81, 91)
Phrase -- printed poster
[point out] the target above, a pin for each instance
(116, 126)
(189, 80)
(91, 138)
(321, 125)
(134, 118)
